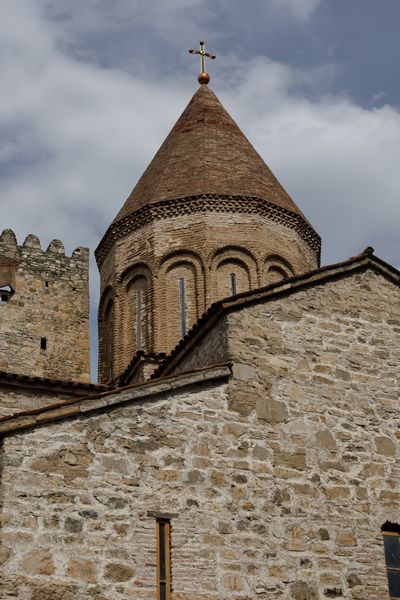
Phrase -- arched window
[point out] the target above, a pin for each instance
(181, 301)
(391, 545)
(232, 278)
(275, 274)
(276, 268)
(233, 270)
(137, 314)
(182, 305)
(108, 341)
(106, 335)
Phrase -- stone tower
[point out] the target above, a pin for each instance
(44, 310)
(207, 219)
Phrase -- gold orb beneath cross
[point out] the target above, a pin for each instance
(203, 78)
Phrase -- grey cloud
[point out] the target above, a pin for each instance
(297, 9)
(337, 159)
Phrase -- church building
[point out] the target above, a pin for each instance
(242, 441)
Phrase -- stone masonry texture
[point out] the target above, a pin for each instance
(49, 307)
(277, 480)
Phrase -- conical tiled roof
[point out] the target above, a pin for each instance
(206, 153)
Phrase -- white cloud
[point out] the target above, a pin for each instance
(337, 159)
(297, 9)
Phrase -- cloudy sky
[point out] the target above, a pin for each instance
(90, 88)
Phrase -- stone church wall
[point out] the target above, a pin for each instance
(320, 368)
(277, 482)
(78, 499)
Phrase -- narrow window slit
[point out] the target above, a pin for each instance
(43, 343)
(233, 284)
(182, 305)
(138, 320)
(163, 559)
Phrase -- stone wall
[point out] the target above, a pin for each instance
(49, 307)
(277, 482)
(78, 496)
(320, 369)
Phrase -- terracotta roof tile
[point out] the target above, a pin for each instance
(36, 382)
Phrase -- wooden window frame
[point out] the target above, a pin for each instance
(166, 525)
(390, 569)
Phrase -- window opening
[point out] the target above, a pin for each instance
(109, 341)
(46, 284)
(391, 545)
(233, 284)
(163, 559)
(138, 320)
(5, 294)
(182, 305)
(43, 343)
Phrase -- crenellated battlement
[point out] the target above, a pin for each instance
(44, 309)
(9, 243)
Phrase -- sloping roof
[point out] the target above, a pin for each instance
(361, 262)
(206, 153)
(104, 400)
(35, 383)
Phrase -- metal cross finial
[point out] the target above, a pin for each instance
(203, 77)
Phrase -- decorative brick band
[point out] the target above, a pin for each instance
(207, 203)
